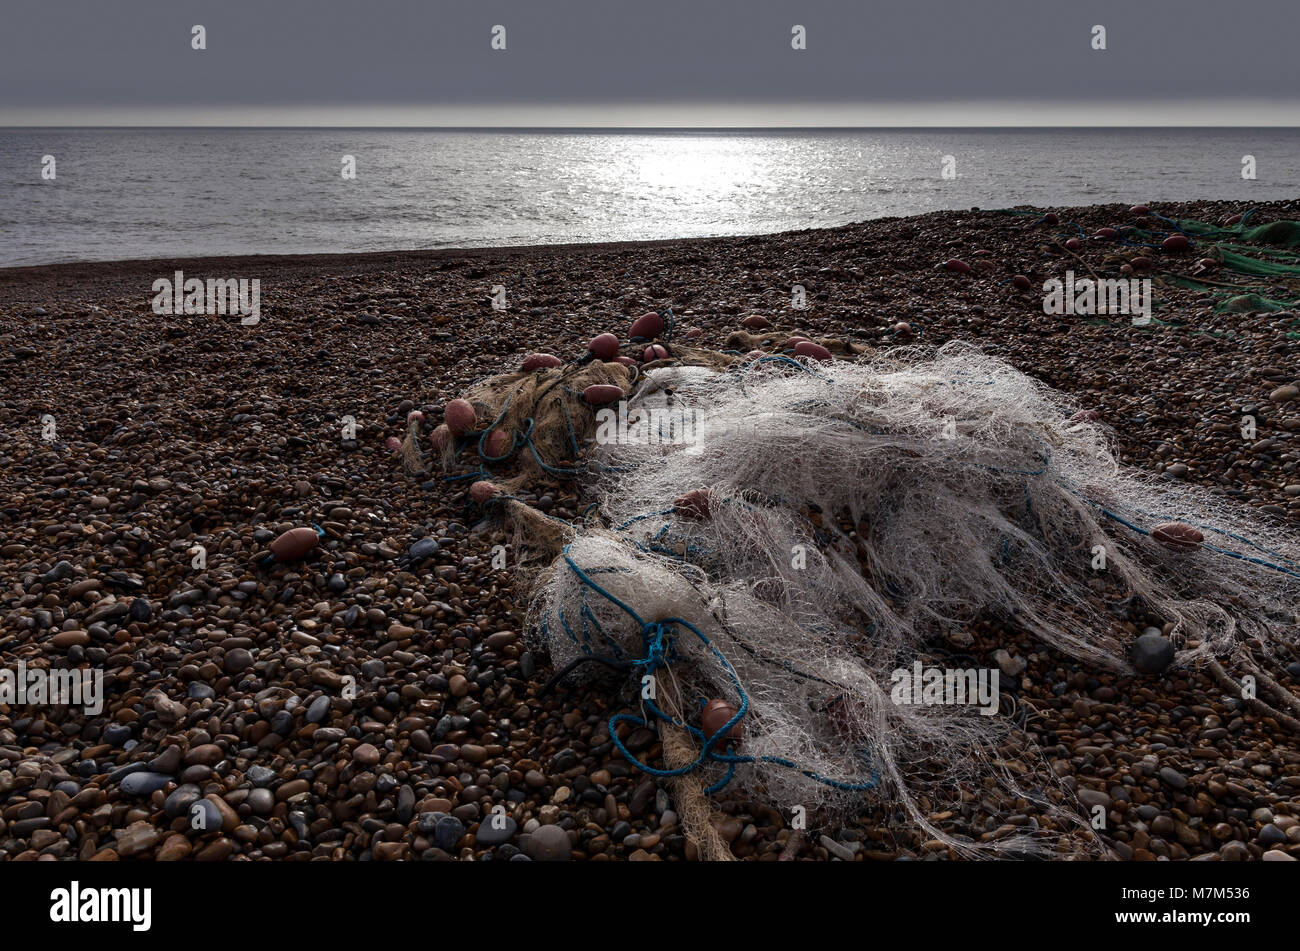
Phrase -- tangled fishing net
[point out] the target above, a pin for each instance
(780, 536)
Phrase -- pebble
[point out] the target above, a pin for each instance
(548, 843)
(1152, 652)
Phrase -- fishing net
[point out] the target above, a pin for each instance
(823, 527)
(536, 421)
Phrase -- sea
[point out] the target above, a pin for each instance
(113, 194)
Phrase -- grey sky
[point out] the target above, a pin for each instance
(657, 62)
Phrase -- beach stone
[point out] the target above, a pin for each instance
(548, 843)
(447, 832)
(1171, 777)
(143, 783)
(319, 710)
(1152, 652)
(1270, 835)
(237, 661)
(137, 838)
(260, 775)
(488, 835)
(424, 548)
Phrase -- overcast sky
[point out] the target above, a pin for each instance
(657, 62)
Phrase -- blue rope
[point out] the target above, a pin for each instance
(659, 647)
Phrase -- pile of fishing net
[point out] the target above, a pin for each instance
(778, 536)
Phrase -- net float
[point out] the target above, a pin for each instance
(460, 417)
(1074, 244)
(1126, 269)
(1176, 242)
(716, 715)
(1140, 263)
(1051, 218)
(415, 416)
(806, 348)
(497, 444)
(392, 443)
(1139, 210)
(441, 436)
(294, 544)
(598, 394)
(791, 343)
(538, 361)
(482, 491)
(694, 505)
(1086, 416)
(647, 326)
(1177, 536)
(624, 361)
(755, 322)
(603, 347)
(654, 352)
(958, 265)
(1207, 263)
(1232, 220)
(1021, 282)
(694, 333)
(755, 354)
(982, 253)
(1105, 233)
(902, 328)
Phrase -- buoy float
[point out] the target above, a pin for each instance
(694, 333)
(982, 253)
(604, 347)
(1126, 269)
(1021, 282)
(482, 490)
(393, 443)
(1208, 263)
(1086, 416)
(624, 361)
(598, 394)
(902, 329)
(441, 436)
(497, 444)
(716, 715)
(460, 417)
(693, 505)
(955, 264)
(755, 322)
(792, 343)
(1105, 233)
(806, 348)
(415, 416)
(1232, 220)
(1141, 263)
(1139, 210)
(654, 352)
(538, 361)
(1177, 536)
(294, 544)
(1074, 244)
(1176, 242)
(755, 354)
(648, 326)
(1051, 218)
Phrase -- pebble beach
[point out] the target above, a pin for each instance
(382, 699)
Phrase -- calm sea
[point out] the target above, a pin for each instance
(152, 193)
